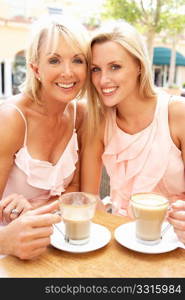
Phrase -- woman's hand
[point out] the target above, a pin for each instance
(176, 217)
(13, 206)
(29, 235)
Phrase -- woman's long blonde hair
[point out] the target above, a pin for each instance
(51, 28)
(128, 37)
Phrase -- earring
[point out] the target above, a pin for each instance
(38, 78)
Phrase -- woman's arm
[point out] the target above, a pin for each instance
(12, 130)
(176, 215)
(91, 167)
(8, 147)
(91, 159)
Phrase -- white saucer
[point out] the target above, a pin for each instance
(100, 236)
(125, 235)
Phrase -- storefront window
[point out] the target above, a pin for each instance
(19, 72)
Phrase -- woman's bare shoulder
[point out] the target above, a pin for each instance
(12, 125)
(177, 107)
(177, 119)
(8, 110)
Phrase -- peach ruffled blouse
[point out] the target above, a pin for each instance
(143, 162)
(36, 179)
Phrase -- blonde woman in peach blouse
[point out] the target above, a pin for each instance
(135, 131)
(40, 127)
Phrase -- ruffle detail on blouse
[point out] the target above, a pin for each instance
(136, 163)
(44, 175)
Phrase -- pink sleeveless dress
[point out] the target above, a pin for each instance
(38, 180)
(147, 161)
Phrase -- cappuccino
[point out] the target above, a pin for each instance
(77, 210)
(77, 230)
(149, 210)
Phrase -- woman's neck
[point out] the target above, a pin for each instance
(135, 109)
(51, 107)
(136, 115)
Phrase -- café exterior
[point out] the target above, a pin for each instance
(161, 66)
(14, 38)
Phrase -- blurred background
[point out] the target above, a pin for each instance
(162, 24)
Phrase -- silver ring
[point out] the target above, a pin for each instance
(15, 211)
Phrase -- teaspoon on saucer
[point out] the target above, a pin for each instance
(65, 237)
(166, 228)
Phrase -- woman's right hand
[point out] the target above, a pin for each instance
(12, 207)
(29, 235)
(176, 217)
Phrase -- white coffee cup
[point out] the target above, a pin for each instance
(149, 211)
(77, 210)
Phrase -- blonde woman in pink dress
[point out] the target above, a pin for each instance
(135, 131)
(40, 127)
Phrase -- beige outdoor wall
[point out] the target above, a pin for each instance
(13, 34)
(14, 38)
(5, 9)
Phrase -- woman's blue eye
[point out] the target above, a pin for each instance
(95, 69)
(53, 60)
(78, 61)
(115, 67)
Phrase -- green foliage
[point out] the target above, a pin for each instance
(157, 15)
(92, 22)
(122, 9)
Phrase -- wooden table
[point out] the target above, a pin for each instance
(111, 261)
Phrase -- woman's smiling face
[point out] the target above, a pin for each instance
(114, 72)
(62, 72)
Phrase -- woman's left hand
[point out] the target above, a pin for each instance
(12, 207)
(176, 217)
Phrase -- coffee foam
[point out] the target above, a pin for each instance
(77, 213)
(149, 211)
(149, 201)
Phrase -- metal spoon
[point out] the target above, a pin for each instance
(66, 238)
(166, 228)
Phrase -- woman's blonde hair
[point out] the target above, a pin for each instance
(51, 28)
(128, 37)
